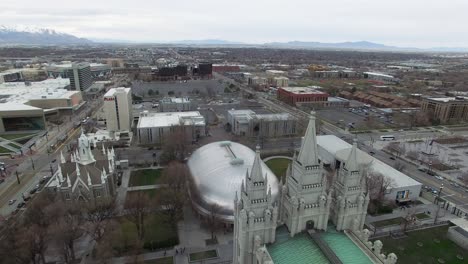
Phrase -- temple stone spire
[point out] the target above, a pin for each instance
(308, 154)
(352, 163)
(256, 174)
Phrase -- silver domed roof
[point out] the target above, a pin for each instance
(217, 171)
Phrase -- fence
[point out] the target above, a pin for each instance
(408, 229)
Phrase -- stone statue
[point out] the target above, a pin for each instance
(378, 247)
(391, 259)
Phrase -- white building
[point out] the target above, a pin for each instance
(248, 123)
(87, 174)
(153, 128)
(333, 151)
(176, 104)
(118, 109)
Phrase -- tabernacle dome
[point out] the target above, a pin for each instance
(218, 170)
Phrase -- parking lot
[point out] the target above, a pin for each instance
(343, 117)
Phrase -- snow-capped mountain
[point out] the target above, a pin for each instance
(34, 35)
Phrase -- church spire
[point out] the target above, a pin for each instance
(256, 174)
(62, 158)
(89, 179)
(351, 163)
(308, 152)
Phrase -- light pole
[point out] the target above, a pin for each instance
(32, 163)
(438, 200)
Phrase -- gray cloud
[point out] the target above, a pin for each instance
(420, 23)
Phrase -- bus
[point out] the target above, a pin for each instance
(387, 137)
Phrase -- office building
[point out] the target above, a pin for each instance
(176, 104)
(154, 128)
(118, 109)
(80, 76)
(446, 109)
(248, 123)
(294, 95)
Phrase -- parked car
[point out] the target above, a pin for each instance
(33, 190)
(439, 177)
(11, 201)
(432, 173)
(372, 152)
(21, 205)
(392, 158)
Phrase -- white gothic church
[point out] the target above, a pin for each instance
(303, 203)
(87, 174)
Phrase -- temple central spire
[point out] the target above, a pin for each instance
(308, 154)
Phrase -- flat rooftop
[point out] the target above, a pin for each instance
(449, 99)
(340, 150)
(175, 100)
(113, 91)
(303, 90)
(379, 74)
(149, 120)
(21, 93)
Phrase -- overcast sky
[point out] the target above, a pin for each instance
(406, 23)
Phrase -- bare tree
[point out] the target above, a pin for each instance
(175, 146)
(212, 219)
(67, 228)
(97, 215)
(137, 211)
(173, 197)
(399, 166)
(464, 178)
(413, 155)
(396, 148)
(377, 185)
(409, 219)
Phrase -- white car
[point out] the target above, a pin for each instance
(439, 177)
(11, 202)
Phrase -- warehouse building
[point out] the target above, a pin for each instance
(333, 151)
(154, 128)
(248, 123)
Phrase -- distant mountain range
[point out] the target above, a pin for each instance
(43, 36)
(37, 36)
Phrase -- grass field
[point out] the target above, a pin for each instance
(388, 222)
(408, 250)
(203, 255)
(422, 216)
(145, 177)
(158, 234)
(278, 166)
(5, 150)
(15, 136)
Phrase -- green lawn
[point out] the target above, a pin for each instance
(278, 166)
(5, 150)
(422, 216)
(408, 251)
(15, 136)
(13, 145)
(151, 193)
(388, 222)
(166, 260)
(145, 177)
(203, 255)
(158, 234)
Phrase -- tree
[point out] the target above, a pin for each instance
(377, 185)
(464, 178)
(97, 215)
(413, 155)
(212, 218)
(67, 229)
(174, 146)
(409, 219)
(150, 92)
(137, 211)
(173, 197)
(399, 166)
(396, 148)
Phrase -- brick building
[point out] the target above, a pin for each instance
(294, 95)
(446, 109)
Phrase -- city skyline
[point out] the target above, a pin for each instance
(419, 24)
